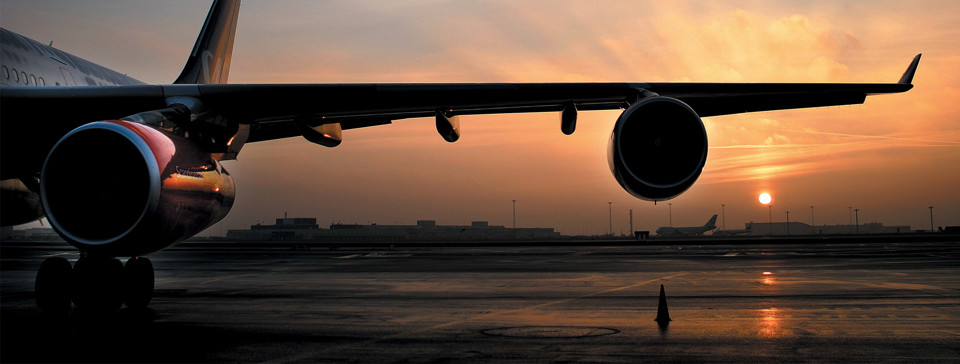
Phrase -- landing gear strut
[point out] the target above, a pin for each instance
(95, 284)
(53, 286)
(137, 282)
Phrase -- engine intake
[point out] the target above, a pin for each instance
(658, 148)
(125, 189)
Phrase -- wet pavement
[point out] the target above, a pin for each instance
(874, 302)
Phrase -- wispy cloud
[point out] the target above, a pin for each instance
(773, 161)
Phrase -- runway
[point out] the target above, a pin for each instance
(848, 301)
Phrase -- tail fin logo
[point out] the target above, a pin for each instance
(210, 74)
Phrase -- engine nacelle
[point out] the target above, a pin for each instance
(658, 148)
(125, 189)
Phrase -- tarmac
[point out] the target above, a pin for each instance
(776, 301)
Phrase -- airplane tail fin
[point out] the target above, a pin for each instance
(209, 61)
(712, 221)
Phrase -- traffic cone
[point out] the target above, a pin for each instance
(663, 314)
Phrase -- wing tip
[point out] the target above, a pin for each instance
(907, 78)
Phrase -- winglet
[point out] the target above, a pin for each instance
(907, 78)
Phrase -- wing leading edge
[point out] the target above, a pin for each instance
(272, 110)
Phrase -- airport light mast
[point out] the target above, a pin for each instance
(931, 218)
(788, 222)
(857, 213)
(610, 232)
(812, 221)
(514, 219)
(723, 214)
(771, 218)
(670, 205)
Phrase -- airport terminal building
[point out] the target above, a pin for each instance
(307, 229)
(799, 228)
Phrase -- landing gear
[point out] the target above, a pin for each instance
(53, 286)
(95, 284)
(138, 282)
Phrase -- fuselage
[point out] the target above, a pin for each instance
(26, 62)
(691, 230)
(695, 230)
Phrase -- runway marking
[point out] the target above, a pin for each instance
(482, 316)
(225, 277)
(351, 256)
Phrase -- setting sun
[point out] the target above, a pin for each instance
(765, 198)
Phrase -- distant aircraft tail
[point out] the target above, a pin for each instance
(209, 61)
(712, 221)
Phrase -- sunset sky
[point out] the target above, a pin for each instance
(891, 157)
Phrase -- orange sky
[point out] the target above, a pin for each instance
(891, 157)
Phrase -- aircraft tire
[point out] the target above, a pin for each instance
(97, 282)
(138, 282)
(52, 287)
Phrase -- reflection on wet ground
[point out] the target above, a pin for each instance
(823, 302)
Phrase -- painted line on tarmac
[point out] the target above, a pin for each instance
(528, 308)
(225, 277)
(58, 254)
(311, 356)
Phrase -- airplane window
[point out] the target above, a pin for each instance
(16, 76)
(6, 72)
(34, 80)
(42, 82)
(24, 75)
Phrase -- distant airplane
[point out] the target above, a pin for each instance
(123, 169)
(749, 227)
(688, 231)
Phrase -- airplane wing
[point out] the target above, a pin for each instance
(271, 110)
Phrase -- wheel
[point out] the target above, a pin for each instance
(96, 283)
(53, 286)
(138, 282)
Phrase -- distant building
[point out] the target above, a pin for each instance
(799, 228)
(304, 229)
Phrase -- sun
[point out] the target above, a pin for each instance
(765, 198)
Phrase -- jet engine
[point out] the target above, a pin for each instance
(124, 189)
(658, 148)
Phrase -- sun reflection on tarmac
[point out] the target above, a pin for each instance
(768, 279)
(771, 325)
(771, 319)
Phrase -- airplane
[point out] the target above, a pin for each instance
(686, 231)
(746, 230)
(120, 168)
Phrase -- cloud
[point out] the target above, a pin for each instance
(745, 46)
(832, 152)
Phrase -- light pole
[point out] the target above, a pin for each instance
(788, 222)
(610, 232)
(631, 222)
(670, 205)
(931, 218)
(723, 212)
(771, 218)
(514, 219)
(812, 221)
(857, 212)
